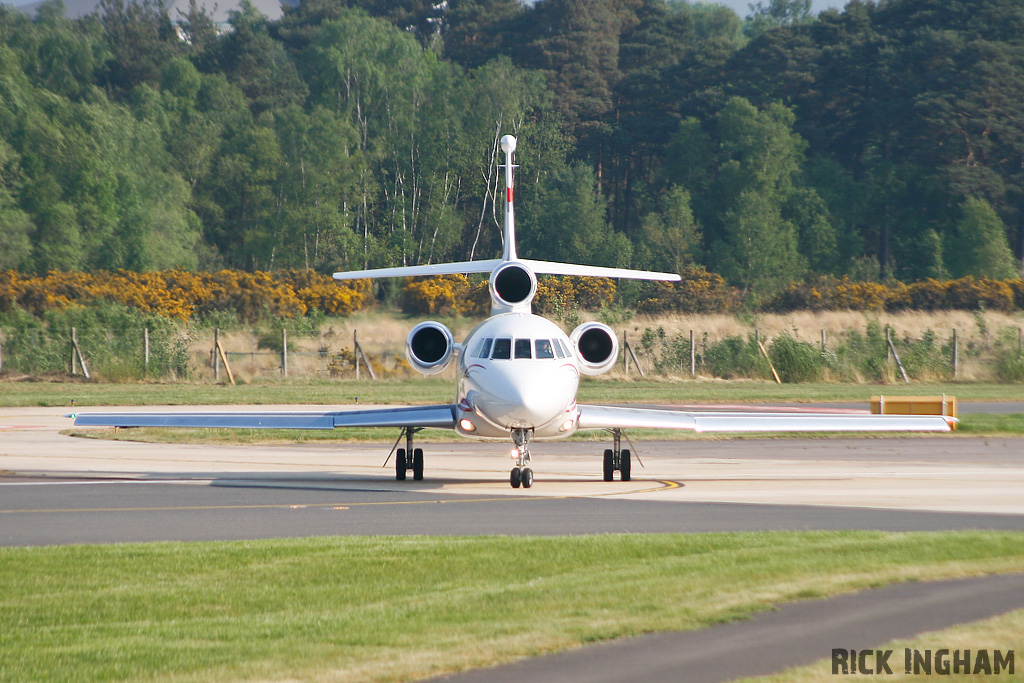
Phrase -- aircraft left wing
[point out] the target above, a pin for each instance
(610, 417)
(439, 416)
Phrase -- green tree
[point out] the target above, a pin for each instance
(979, 245)
(759, 247)
(258, 64)
(777, 13)
(566, 222)
(477, 31)
(15, 225)
(141, 39)
(672, 236)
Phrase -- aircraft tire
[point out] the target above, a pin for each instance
(515, 477)
(401, 465)
(609, 465)
(527, 477)
(417, 464)
(625, 465)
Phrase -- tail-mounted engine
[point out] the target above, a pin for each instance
(596, 346)
(513, 287)
(430, 347)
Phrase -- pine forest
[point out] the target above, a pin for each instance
(770, 154)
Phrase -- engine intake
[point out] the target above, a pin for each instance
(513, 286)
(430, 347)
(596, 346)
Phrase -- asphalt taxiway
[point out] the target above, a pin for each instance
(57, 489)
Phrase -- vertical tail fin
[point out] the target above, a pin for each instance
(508, 146)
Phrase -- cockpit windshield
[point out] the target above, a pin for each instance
(484, 349)
(505, 349)
(502, 349)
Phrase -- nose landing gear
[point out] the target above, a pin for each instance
(521, 475)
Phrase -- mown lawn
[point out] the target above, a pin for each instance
(402, 608)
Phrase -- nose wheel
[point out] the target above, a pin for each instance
(521, 474)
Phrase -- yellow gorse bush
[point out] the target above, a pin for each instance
(966, 293)
(179, 294)
(445, 295)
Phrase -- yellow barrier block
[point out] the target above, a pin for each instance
(914, 405)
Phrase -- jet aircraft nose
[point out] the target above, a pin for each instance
(530, 398)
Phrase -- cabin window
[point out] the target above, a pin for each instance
(543, 348)
(523, 348)
(502, 349)
(484, 349)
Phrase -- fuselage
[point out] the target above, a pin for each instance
(517, 371)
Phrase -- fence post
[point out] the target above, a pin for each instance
(216, 356)
(956, 354)
(693, 358)
(892, 349)
(145, 341)
(355, 351)
(284, 352)
(625, 352)
(823, 340)
(76, 351)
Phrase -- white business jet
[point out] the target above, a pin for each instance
(518, 374)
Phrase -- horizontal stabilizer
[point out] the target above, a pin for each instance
(486, 266)
(552, 268)
(423, 271)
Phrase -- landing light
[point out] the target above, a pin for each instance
(466, 425)
(567, 425)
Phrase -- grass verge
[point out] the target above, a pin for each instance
(434, 390)
(401, 608)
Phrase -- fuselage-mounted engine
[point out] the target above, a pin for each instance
(513, 287)
(596, 346)
(430, 347)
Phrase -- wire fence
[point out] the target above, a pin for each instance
(180, 353)
(175, 353)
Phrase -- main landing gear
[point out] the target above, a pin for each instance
(408, 458)
(617, 458)
(521, 475)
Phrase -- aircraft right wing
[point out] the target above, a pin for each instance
(439, 416)
(611, 417)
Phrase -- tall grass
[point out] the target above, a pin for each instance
(852, 355)
(855, 348)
